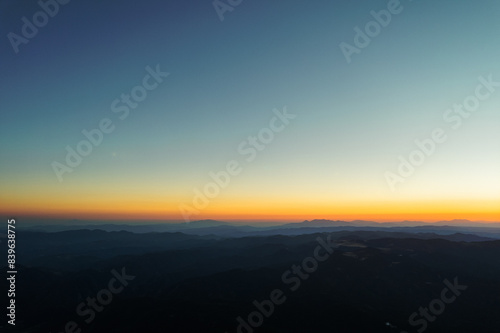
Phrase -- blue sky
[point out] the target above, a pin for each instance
(353, 120)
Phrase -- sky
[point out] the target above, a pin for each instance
(299, 110)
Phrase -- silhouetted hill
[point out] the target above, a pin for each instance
(372, 281)
(223, 229)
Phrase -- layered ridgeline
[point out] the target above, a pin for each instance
(390, 279)
(212, 227)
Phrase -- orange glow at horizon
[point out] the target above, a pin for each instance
(155, 209)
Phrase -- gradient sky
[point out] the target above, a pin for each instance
(352, 120)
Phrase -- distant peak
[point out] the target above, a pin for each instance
(208, 221)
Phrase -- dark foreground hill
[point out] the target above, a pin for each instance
(96, 281)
